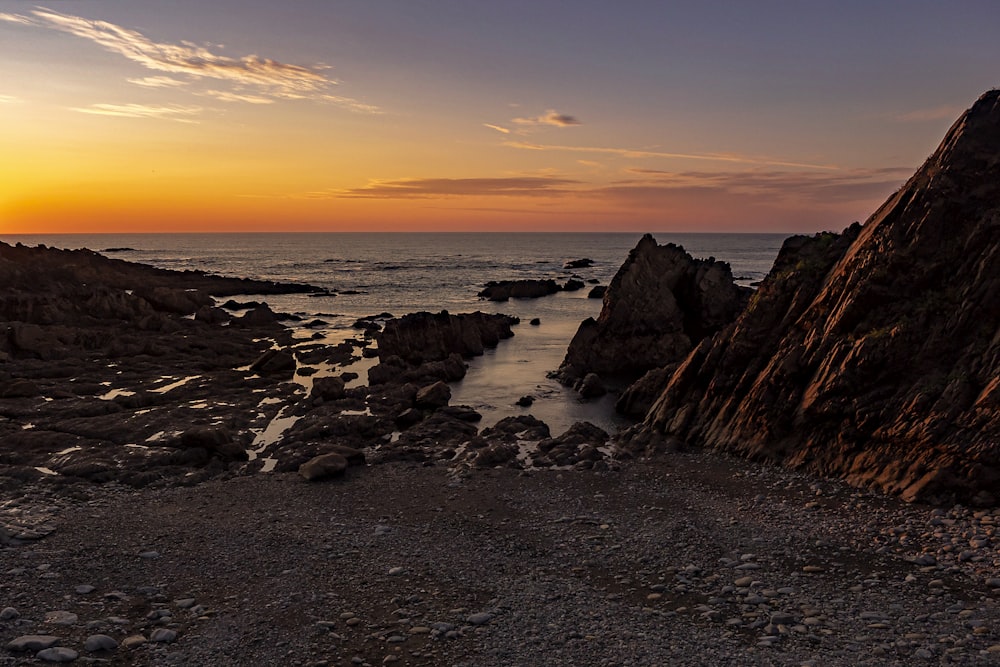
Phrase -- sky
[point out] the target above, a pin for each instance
(446, 115)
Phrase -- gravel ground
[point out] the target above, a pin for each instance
(693, 559)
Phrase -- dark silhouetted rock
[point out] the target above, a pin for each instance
(420, 337)
(525, 401)
(639, 397)
(573, 285)
(590, 386)
(274, 361)
(535, 321)
(659, 304)
(433, 396)
(597, 292)
(579, 263)
(518, 289)
(328, 388)
(872, 355)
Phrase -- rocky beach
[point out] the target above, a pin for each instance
(811, 478)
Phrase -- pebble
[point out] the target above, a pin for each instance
(61, 617)
(395, 571)
(57, 654)
(163, 635)
(100, 643)
(149, 555)
(84, 589)
(133, 641)
(482, 618)
(32, 643)
(8, 614)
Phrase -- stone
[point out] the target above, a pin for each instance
(31, 643)
(518, 289)
(61, 618)
(57, 654)
(323, 467)
(96, 643)
(481, 618)
(433, 396)
(134, 641)
(422, 337)
(590, 386)
(163, 635)
(328, 389)
(9, 614)
(525, 401)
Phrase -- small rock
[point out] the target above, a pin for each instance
(84, 589)
(57, 654)
(32, 643)
(61, 617)
(394, 571)
(149, 555)
(133, 641)
(100, 643)
(482, 618)
(8, 614)
(163, 635)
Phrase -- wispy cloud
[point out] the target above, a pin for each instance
(419, 188)
(550, 117)
(946, 112)
(641, 153)
(761, 185)
(158, 82)
(498, 128)
(225, 96)
(173, 112)
(9, 99)
(15, 18)
(250, 75)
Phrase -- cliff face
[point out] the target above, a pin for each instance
(660, 303)
(874, 355)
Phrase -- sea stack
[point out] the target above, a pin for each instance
(873, 355)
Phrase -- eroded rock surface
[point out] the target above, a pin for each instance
(659, 305)
(872, 355)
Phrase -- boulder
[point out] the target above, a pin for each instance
(583, 263)
(872, 355)
(328, 389)
(590, 386)
(433, 396)
(323, 467)
(660, 303)
(274, 361)
(573, 285)
(421, 337)
(597, 292)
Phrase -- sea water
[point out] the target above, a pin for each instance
(399, 273)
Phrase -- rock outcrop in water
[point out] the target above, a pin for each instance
(873, 355)
(421, 337)
(661, 302)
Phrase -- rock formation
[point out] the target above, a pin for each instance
(420, 337)
(504, 290)
(659, 304)
(873, 355)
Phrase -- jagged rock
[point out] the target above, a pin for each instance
(639, 396)
(261, 316)
(324, 466)
(433, 396)
(535, 321)
(579, 263)
(504, 290)
(659, 304)
(874, 355)
(580, 443)
(597, 292)
(572, 285)
(421, 337)
(211, 315)
(525, 401)
(521, 427)
(328, 389)
(274, 361)
(173, 300)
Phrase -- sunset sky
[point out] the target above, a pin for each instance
(322, 115)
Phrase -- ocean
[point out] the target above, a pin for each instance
(399, 273)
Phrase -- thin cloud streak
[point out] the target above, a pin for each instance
(640, 154)
(176, 113)
(157, 82)
(266, 77)
(422, 188)
(225, 96)
(9, 99)
(15, 18)
(498, 128)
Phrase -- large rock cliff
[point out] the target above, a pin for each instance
(873, 355)
(661, 302)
